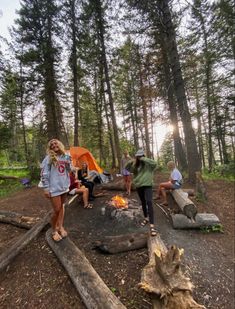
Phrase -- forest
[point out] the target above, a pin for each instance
(106, 75)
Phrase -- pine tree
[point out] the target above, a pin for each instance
(37, 27)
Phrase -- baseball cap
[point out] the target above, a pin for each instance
(139, 153)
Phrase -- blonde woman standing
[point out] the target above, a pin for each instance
(55, 180)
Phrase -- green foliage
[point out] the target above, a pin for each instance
(217, 228)
(5, 135)
(34, 172)
(9, 186)
(166, 151)
(200, 197)
(113, 289)
(223, 171)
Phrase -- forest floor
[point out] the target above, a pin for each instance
(36, 279)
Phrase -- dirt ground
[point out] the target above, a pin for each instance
(36, 279)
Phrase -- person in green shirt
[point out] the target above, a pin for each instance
(143, 169)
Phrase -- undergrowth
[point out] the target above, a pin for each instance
(9, 186)
(217, 228)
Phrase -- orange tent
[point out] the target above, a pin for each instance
(80, 154)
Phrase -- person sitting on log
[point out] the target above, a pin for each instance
(143, 169)
(175, 182)
(83, 176)
(77, 188)
(125, 173)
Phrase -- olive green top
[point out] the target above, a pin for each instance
(142, 175)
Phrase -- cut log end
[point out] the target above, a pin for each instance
(164, 279)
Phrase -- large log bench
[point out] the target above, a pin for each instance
(93, 291)
(187, 207)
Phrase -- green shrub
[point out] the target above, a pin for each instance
(223, 171)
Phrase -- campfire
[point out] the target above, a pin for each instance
(119, 202)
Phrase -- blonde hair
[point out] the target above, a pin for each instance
(52, 154)
(171, 164)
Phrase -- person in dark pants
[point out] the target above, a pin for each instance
(83, 176)
(143, 169)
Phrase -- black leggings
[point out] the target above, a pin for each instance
(146, 195)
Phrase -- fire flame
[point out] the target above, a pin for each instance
(119, 202)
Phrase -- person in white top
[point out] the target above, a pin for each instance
(55, 181)
(174, 182)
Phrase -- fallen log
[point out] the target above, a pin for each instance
(180, 221)
(7, 256)
(164, 279)
(3, 177)
(93, 291)
(187, 207)
(191, 192)
(122, 243)
(116, 186)
(17, 219)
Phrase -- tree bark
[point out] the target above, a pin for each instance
(144, 108)
(187, 207)
(93, 291)
(9, 177)
(164, 279)
(7, 256)
(179, 151)
(180, 221)
(122, 243)
(190, 138)
(200, 187)
(101, 30)
(17, 219)
(74, 66)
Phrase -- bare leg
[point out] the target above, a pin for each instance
(163, 187)
(85, 195)
(60, 221)
(56, 204)
(128, 185)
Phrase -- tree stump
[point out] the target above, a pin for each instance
(164, 279)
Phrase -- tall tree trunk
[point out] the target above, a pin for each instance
(53, 108)
(106, 109)
(199, 130)
(144, 109)
(101, 30)
(179, 151)
(223, 141)
(194, 163)
(134, 115)
(28, 161)
(74, 66)
(98, 106)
